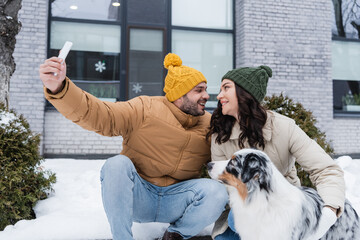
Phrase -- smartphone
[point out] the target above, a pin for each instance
(64, 51)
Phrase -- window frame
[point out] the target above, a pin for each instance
(122, 22)
(210, 30)
(342, 113)
(164, 47)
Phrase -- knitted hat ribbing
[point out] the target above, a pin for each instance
(180, 79)
(253, 80)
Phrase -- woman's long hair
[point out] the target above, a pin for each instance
(252, 117)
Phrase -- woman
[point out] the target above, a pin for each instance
(240, 121)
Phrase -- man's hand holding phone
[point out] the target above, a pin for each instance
(53, 70)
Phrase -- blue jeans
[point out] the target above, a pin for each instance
(188, 206)
(230, 233)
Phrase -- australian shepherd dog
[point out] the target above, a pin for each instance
(266, 206)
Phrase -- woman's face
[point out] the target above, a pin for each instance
(228, 99)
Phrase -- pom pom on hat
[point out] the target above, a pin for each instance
(180, 79)
(172, 60)
(267, 69)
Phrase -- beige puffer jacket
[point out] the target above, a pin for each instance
(286, 143)
(165, 144)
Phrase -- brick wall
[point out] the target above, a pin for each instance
(294, 39)
(62, 137)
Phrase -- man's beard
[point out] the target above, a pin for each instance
(191, 108)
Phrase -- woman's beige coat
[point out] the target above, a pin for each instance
(286, 143)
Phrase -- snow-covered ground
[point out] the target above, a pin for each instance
(74, 211)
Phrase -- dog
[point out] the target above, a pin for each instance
(266, 206)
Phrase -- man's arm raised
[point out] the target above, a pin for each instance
(84, 109)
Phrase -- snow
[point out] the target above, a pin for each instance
(74, 210)
(6, 118)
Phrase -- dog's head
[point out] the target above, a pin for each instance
(247, 170)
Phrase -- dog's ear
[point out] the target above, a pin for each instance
(234, 165)
(255, 167)
(250, 168)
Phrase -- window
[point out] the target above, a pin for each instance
(147, 12)
(84, 9)
(204, 39)
(93, 62)
(346, 76)
(345, 57)
(146, 73)
(209, 52)
(119, 45)
(216, 14)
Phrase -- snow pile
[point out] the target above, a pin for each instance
(74, 211)
(352, 180)
(6, 117)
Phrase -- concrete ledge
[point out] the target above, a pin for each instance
(80, 156)
(352, 155)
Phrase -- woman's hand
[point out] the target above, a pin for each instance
(327, 219)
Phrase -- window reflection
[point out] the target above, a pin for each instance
(145, 62)
(94, 61)
(346, 18)
(202, 13)
(346, 96)
(346, 75)
(211, 53)
(147, 11)
(86, 9)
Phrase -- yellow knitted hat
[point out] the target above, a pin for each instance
(180, 79)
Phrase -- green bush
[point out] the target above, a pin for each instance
(351, 99)
(305, 120)
(22, 180)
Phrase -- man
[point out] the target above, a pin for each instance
(164, 148)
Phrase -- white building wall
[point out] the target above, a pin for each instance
(292, 37)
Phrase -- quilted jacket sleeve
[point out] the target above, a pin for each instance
(89, 112)
(325, 174)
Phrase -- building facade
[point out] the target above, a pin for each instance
(119, 48)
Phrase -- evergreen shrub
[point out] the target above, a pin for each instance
(23, 181)
(305, 120)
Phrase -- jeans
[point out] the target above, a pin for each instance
(188, 206)
(230, 233)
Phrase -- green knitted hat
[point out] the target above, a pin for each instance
(253, 80)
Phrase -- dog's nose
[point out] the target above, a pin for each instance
(210, 165)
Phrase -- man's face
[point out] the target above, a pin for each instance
(194, 101)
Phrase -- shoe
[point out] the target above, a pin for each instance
(201, 238)
(171, 236)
